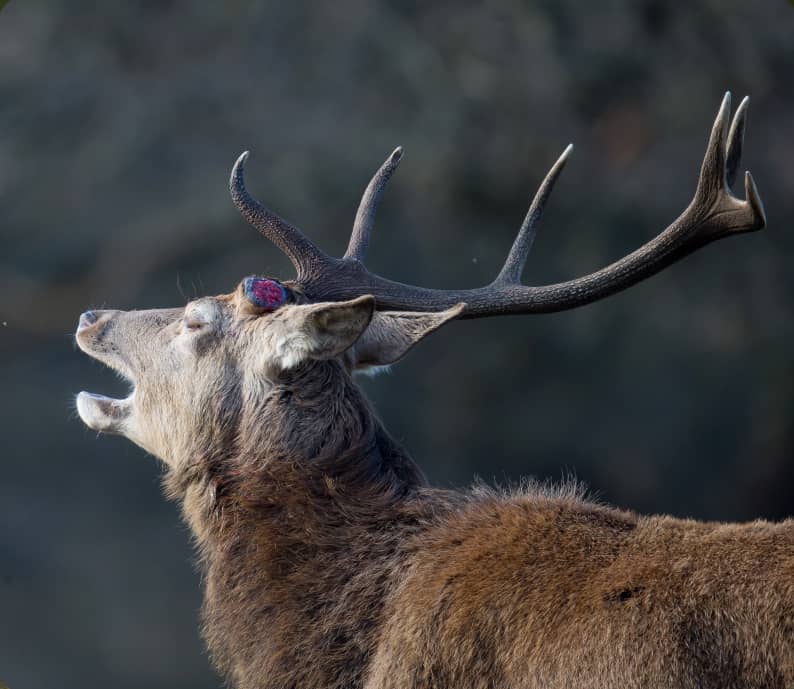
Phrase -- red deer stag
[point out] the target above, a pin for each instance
(329, 562)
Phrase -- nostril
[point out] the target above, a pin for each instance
(86, 319)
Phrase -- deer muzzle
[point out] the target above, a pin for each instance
(94, 336)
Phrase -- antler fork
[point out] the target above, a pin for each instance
(714, 213)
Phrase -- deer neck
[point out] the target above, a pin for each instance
(312, 443)
(310, 510)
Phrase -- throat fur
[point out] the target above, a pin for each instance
(300, 535)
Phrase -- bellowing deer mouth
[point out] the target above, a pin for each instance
(99, 412)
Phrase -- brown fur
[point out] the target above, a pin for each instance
(330, 563)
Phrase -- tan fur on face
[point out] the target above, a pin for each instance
(329, 563)
(183, 366)
(193, 369)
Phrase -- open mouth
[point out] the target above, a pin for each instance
(99, 412)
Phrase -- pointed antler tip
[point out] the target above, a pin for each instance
(725, 108)
(561, 161)
(754, 199)
(724, 113)
(236, 183)
(741, 111)
(396, 155)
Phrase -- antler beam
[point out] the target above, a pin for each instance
(714, 213)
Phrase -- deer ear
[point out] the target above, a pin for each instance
(392, 333)
(322, 331)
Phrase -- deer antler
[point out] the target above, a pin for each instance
(714, 213)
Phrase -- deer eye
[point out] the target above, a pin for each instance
(194, 319)
(194, 322)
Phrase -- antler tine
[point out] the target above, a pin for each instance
(365, 216)
(712, 172)
(736, 141)
(300, 250)
(755, 203)
(517, 258)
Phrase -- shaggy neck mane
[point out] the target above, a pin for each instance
(300, 529)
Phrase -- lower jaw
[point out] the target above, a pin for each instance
(101, 413)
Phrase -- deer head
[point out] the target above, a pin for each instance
(198, 371)
(201, 373)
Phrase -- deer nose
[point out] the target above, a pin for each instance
(87, 319)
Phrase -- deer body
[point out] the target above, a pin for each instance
(334, 565)
(539, 591)
(330, 563)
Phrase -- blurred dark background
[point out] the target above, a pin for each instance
(119, 123)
